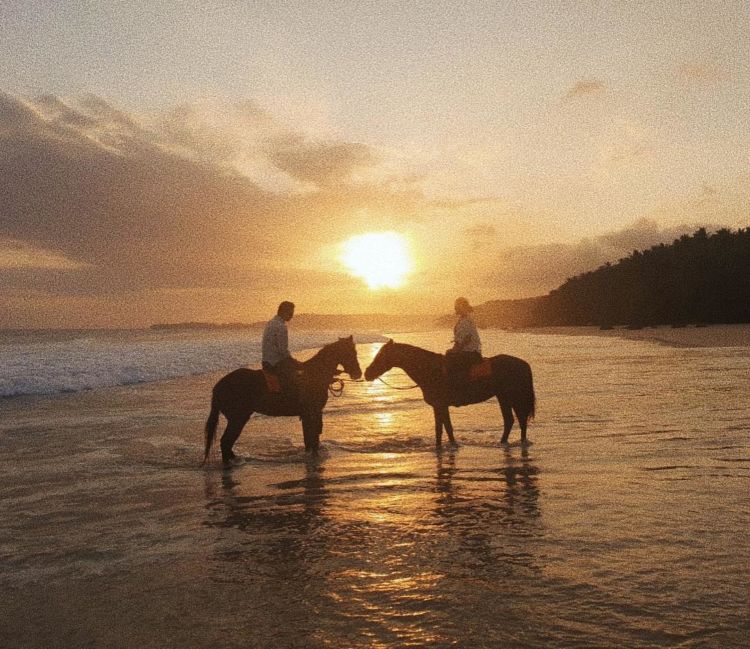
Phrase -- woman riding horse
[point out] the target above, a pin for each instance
(242, 392)
(509, 380)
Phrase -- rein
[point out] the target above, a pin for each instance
(397, 387)
(336, 387)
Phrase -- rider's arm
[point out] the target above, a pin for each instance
(460, 336)
(282, 342)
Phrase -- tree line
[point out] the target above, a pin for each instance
(697, 279)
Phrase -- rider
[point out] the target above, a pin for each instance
(276, 356)
(467, 348)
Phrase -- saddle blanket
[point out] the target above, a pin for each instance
(272, 382)
(481, 370)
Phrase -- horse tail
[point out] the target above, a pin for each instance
(211, 423)
(525, 398)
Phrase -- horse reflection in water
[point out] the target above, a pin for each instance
(269, 550)
(489, 528)
(510, 382)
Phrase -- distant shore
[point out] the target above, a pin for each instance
(727, 335)
(316, 322)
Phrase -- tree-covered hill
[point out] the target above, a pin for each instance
(703, 278)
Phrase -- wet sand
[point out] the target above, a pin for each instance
(737, 335)
(623, 524)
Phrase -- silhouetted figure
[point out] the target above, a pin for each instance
(244, 391)
(275, 350)
(509, 380)
(467, 348)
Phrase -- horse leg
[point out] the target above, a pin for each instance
(507, 411)
(449, 426)
(317, 430)
(306, 424)
(438, 412)
(311, 427)
(523, 419)
(234, 428)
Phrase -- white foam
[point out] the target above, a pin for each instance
(100, 359)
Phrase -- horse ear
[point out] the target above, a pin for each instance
(351, 337)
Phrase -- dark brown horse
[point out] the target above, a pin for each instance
(510, 382)
(242, 392)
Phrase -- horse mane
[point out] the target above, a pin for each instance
(320, 353)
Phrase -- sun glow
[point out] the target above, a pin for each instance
(381, 259)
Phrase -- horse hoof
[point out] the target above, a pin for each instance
(233, 462)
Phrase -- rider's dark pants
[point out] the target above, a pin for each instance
(459, 364)
(286, 370)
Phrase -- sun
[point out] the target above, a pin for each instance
(381, 259)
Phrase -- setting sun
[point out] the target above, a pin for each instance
(382, 259)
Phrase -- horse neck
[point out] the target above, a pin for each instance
(323, 364)
(421, 365)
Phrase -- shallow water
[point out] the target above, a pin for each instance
(623, 524)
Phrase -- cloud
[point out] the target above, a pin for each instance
(321, 163)
(17, 254)
(460, 203)
(585, 88)
(699, 73)
(481, 236)
(480, 231)
(535, 270)
(99, 201)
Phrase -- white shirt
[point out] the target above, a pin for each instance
(466, 332)
(275, 341)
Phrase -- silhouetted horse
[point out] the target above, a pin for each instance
(510, 381)
(241, 393)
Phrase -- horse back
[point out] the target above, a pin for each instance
(241, 379)
(510, 372)
(244, 391)
(508, 363)
(512, 377)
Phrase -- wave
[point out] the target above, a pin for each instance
(104, 359)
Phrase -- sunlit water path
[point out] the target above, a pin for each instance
(625, 522)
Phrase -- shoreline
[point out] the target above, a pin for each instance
(722, 335)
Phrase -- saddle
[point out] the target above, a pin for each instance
(480, 370)
(272, 382)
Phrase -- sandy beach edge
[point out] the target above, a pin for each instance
(729, 335)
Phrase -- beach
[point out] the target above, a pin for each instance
(733, 335)
(623, 523)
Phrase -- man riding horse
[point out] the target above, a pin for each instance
(276, 357)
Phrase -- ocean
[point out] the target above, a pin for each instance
(624, 523)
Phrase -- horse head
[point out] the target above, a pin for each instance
(348, 357)
(382, 362)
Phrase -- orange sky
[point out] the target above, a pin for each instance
(203, 164)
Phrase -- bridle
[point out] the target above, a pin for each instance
(397, 387)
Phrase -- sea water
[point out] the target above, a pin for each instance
(623, 524)
(60, 361)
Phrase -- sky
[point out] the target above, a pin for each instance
(173, 161)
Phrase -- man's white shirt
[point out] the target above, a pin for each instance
(275, 346)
